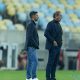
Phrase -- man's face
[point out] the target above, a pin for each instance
(58, 17)
(36, 17)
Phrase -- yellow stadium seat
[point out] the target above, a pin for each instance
(1, 23)
(9, 5)
(73, 29)
(73, 15)
(20, 9)
(78, 29)
(63, 2)
(40, 14)
(19, 27)
(69, 7)
(54, 7)
(50, 4)
(46, 1)
(49, 18)
(14, 1)
(34, 5)
(27, 7)
(77, 1)
(61, 10)
(75, 19)
(6, 1)
(66, 29)
(16, 4)
(39, 1)
(11, 12)
(77, 6)
(2, 26)
(5, 21)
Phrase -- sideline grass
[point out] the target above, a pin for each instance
(21, 75)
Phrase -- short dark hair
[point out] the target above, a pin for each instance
(33, 13)
(56, 14)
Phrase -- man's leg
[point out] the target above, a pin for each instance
(29, 64)
(56, 52)
(49, 65)
(48, 69)
(34, 63)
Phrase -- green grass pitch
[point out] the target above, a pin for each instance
(21, 75)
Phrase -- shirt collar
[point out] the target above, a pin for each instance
(33, 22)
(55, 21)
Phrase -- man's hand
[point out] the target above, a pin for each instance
(55, 43)
(24, 52)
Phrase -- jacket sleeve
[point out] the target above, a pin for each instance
(30, 31)
(48, 32)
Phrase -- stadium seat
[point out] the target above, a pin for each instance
(1, 17)
(72, 2)
(21, 16)
(2, 26)
(19, 27)
(9, 24)
(2, 7)
(69, 9)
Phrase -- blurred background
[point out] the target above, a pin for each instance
(14, 17)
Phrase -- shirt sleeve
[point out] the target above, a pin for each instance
(48, 32)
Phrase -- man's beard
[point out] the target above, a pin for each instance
(59, 20)
(36, 19)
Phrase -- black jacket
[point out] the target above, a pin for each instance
(32, 39)
(53, 32)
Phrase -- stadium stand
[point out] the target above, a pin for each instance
(15, 12)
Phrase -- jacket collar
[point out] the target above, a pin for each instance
(33, 22)
(55, 21)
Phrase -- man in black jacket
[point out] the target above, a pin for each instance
(32, 43)
(53, 34)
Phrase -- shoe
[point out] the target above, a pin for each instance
(29, 79)
(35, 79)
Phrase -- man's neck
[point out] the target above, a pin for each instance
(56, 20)
(33, 21)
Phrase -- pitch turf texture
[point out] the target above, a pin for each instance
(21, 75)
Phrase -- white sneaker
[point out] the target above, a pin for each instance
(35, 79)
(29, 79)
